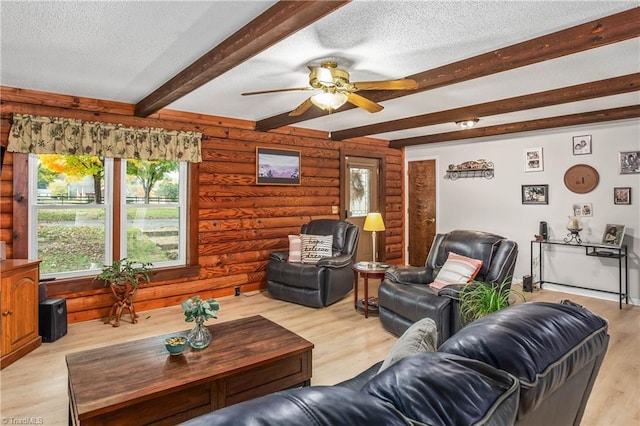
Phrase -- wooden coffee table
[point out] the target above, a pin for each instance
(138, 382)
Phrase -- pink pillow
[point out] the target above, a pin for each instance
(295, 249)
(457, 270)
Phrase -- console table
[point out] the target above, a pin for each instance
(593, 250)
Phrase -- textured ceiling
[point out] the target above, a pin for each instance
(123, 51)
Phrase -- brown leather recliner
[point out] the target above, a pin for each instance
(405, 297)
(324, 283)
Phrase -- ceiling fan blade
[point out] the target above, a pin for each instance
(364, 103)
(302, 108)
(277, 90)
(402, 84)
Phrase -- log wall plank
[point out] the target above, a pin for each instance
(239, 222)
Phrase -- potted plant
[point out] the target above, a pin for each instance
(479, 299)
(123, 278)
(197, 310)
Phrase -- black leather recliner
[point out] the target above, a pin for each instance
(324, 283)
(405, 297)
(529, 364)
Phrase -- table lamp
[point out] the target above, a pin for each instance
(373, 223)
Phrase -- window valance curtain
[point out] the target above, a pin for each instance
(68, 136)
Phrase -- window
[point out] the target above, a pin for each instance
(154, 211)
(360, 191)
(72, 220)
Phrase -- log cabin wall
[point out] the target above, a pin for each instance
(239, 223)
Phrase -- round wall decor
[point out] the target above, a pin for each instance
(581, 178)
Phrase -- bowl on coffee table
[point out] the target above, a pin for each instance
(175, 344)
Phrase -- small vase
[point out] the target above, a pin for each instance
(199, 337)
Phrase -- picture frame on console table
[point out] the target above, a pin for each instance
(613, 235)
(277, 166)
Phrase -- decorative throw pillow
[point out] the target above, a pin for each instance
(295, 249)
(315, 247)
(422, 336)
(457, 270)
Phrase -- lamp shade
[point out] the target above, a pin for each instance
(329, 101)
(373, 222)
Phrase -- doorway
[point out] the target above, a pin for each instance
(361, 195)
(421, 211)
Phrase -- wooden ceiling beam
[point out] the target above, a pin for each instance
(601, 32)
(579, 92)
(613, 114)
(277, 23)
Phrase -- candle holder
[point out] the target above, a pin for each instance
(574, 227)
(573, 235)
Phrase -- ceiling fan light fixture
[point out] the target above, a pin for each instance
(467, 124)
(335, 89)
(329, 101)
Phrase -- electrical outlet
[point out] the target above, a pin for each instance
(237, 290)
(334, 209)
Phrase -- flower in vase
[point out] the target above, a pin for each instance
(194, 307)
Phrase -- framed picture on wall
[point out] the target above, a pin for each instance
(613, 235)
(582, 145)
(535, 194)
(622, 195)
(277, 167)
(582, 209)
(533, 160)
(629, 162)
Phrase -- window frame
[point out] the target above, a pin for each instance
(63, 286)
(107, 206)
(182, 208)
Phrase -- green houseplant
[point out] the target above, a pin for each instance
(123, 278)
(198, 310)
(479, 299)
(125, 270)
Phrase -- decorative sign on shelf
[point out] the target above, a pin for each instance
(470, 169)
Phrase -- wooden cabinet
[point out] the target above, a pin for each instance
(18, 308)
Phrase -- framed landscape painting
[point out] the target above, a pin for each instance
(277, 167)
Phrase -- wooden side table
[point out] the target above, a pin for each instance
(366, 270)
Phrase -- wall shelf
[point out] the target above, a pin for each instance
(469, 173)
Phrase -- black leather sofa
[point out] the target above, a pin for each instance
(405, 298)
(529, 364)
(322, 284)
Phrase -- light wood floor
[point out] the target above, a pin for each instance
(35, 387)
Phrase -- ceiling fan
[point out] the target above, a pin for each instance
(336, 89)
